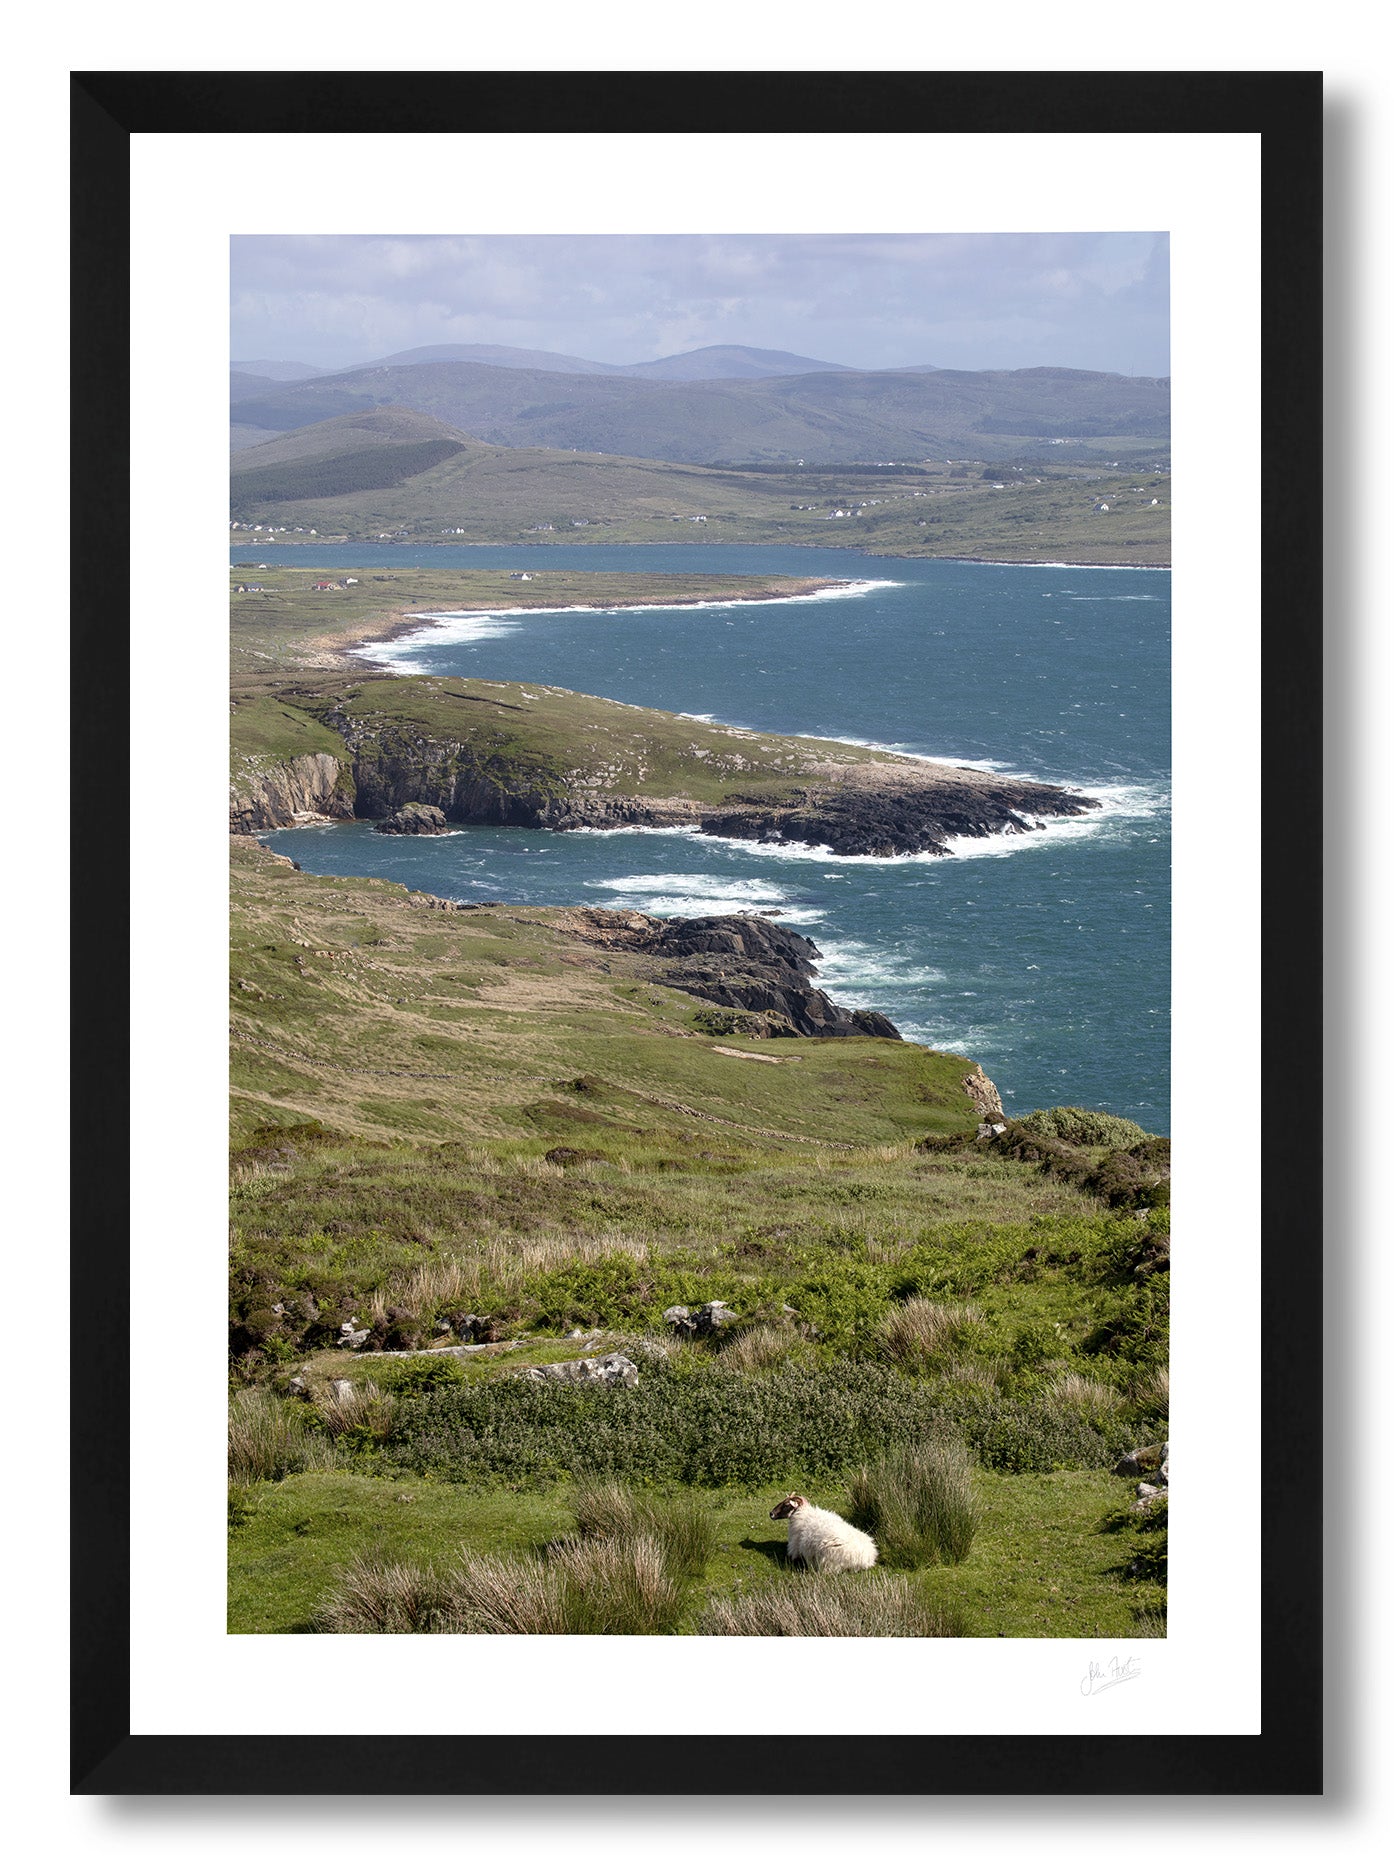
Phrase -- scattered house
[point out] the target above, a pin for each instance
(1101, 509)
(350, 583)
(324, 586)
(520, 576)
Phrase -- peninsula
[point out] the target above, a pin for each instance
(332, 742)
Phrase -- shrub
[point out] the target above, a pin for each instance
(850, 1605)
(920, 1331)
(1033, 1439)
(1083, 1127)
(708, 1426)
(917, 1504)
(1137, 1330)
(711, 1427)
(268, 1438)
(682, 1525)
(414, 1378)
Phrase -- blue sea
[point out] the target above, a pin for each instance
(1045, 956)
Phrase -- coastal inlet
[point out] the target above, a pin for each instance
(1044, 954)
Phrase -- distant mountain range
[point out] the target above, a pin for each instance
(718, 363)
(723, 404)
(721, 363)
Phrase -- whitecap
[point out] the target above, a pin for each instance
(468, 627)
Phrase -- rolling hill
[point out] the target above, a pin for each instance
(825, 417)
(407, 475)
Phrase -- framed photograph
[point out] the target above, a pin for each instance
(715, 993)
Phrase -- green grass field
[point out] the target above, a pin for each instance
(496, 495)
(1042, 1566)
(440, 1114)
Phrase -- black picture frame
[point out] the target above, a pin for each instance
(1285, 109)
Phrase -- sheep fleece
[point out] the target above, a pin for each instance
(827, 1543)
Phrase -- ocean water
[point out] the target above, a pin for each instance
(1044, 956)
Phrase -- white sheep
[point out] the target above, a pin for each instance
(822, 1539)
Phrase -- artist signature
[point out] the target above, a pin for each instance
(1110, 1674)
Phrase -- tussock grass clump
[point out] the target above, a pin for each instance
(1151, 1393)
(362, 1410)
(763, 1348)
(983, 1376)
(877, 1605)
(613, 1588)
(268, 1438)
(1089, 1397)
(917, 1505)
(377, 1597)
(920, 1332)
(683, 1527)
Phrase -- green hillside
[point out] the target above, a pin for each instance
(825, 417)
(479, 1121)
(492, 493)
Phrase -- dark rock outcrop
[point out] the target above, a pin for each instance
(899, 817)
(753, 965)
(415, 820)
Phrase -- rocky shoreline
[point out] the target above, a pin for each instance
(869, 809)
(758, 972)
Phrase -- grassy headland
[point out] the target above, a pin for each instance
(334, 742)
(289, 622)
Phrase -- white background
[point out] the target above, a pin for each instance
(1204, 189)
(313, 39)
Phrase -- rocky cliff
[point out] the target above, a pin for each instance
(526, 755)
(265, 794)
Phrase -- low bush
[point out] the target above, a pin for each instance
(1034, 1438)
(704, 1425)
(1083, 1127)
(917, 1505)
(362, 1415)
(684, 1528)
(821, 1605)
(414, 1378)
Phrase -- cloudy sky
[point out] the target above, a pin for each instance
(1069, 299)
